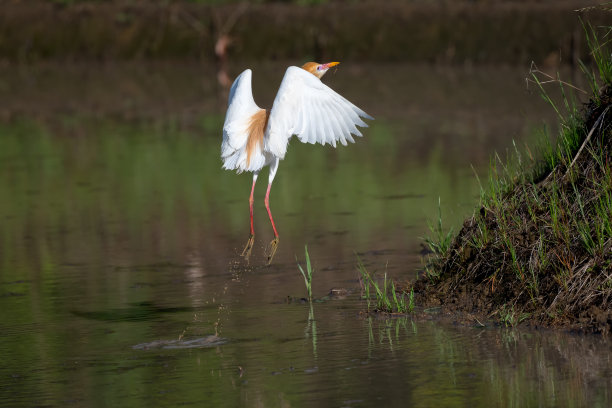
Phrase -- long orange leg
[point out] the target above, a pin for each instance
(246, 252)
(273, 246)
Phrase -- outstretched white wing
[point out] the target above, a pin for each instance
(306, 107)
(241, 108)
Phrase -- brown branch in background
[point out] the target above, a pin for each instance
(221, 31)
(224, 40)
(193, 22)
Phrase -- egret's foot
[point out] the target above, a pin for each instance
(271, 250)
(246, 252)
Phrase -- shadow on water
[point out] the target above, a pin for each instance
(121, 232)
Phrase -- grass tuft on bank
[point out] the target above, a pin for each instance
(538, 248)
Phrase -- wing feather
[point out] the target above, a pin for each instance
(343, 122)
(333, 122)
(330, 130)
(306, 107)
(346, 133)
(321, 134)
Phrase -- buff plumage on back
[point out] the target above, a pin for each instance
(256, 130)
(243, 130)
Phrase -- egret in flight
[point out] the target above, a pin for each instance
(304, 106)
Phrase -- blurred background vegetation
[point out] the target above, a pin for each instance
(464, 32)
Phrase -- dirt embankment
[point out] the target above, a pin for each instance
(514, 32)
(539, 250)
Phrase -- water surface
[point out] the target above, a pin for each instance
(120, 277)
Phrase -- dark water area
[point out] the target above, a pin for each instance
(120, 277)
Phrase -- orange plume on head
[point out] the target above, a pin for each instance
(312, 68)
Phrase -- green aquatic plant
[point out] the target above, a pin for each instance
(311, 330)
(411, 301)
(311, 327)
(386, 298)
(307, 274)
(509, 317)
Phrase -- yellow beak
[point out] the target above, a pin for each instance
(330, 64)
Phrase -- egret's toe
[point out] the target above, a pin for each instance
(271, 250)
(246, 252)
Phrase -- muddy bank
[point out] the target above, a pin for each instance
(539, 249)
(457, 32)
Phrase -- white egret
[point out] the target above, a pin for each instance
(254, 137)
